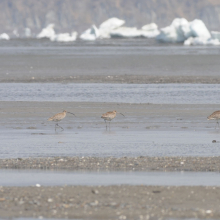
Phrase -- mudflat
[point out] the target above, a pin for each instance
(104, 64)
(110, 202)
(194, 164)
(25, 114)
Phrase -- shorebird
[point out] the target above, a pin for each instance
(59, 117)
(108, 116)
(215, 116)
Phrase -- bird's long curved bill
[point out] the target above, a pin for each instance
(121, 114)
(71, 113)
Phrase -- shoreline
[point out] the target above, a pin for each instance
(165, 164)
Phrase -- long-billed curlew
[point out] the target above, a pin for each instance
(59, 117)
(215, 116)
(108, 116)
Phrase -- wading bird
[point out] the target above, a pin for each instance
(215, 116)
(59, 117)
(108, 116)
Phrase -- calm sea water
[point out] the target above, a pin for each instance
(47, 143)
(106, 46)
(121, 93)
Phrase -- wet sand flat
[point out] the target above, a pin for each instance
(110, 202)
(111, 62)
(147, 130)
(141, 163)
(88, 114)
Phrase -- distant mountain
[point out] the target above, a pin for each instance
(68, 15)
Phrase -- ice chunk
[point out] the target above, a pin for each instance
(90, 34)
(107, 26)
(27, 32)
(150, 27)
(215, 35)
(150, 34)
(178, 31)
(4, 36)
(111, 23)
(201, 41)
(188, 41)
(126, 32)
(15, 32)
(198, 29)
(47, 32)
(65, 37)
(150, 30)
(131, 32)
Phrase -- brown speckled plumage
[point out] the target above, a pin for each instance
(58, 116)
(214, 116)
(109, 115)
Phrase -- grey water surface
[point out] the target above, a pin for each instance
(56, 178)
(120, 93)
(117, 143)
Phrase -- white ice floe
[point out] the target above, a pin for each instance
(15, 32)
(65, 37)
(150, 27)
(107, 26)
(90, 34)
(201, 41)
(215, 35)
(27, 32)
(111, 23)
(198, 29)
(126, 32)
(113, 28)
(150, 30)
(180, 30)
(132, 32)
(47, 32)
(4, 36)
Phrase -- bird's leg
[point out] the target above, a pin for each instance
(60, 127)
(217, 123)
(106, 124)
(109, 125)
(55, 127)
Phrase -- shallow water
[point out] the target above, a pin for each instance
(106, 46)
(55, 178)
(120, 93)
(116, 143)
